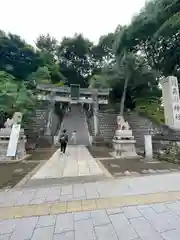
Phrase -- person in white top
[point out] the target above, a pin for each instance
(74, 137)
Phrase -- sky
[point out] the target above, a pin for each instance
(93, 18)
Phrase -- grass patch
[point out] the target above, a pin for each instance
(99, 152)
(12, 173)
(115, 166)
(41, 154)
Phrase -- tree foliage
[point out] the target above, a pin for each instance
(47, 43)
(102, 53)
(42, 75)
(14, 96)
(48, 47)
(74, 55)
(17, 57)
(131, 69)
(155, 34)
(129, 60)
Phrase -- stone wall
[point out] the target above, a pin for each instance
(37, 125)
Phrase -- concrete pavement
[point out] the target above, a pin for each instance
(134, 208)
(76, 164)
(145, 220)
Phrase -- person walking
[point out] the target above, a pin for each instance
(74, 137)
(63, 141)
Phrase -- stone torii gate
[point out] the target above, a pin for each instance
(74, 95)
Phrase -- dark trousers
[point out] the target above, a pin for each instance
(63, 146)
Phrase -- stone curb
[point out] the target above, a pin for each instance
(15, 161)
(144, 172)
(30, 174)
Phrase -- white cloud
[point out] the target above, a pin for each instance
(29, 18)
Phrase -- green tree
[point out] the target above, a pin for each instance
(56, 75)
(131, 80)
(8, 92)
(47, 43)
(155, 33)
(99, 81)
(17, 57)
(102, 53)
(140, 81)
(48, 46)
(14, 96)
(74, 55)
(42, 75)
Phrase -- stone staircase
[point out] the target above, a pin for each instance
(75, 121)
(107, 125)
(139, 125)
(37, 126)
(35, 132)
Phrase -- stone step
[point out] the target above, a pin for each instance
(140, 126)
(75, 120)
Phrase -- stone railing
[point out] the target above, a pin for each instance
(166, 148)
(90, 121)
(160, 145)
(165, 138)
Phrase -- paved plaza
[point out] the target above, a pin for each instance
(144, 222)
(131, 208)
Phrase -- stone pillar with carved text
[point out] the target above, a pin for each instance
(12, 139)
(51, 109)
(170, 92)
(95, 112)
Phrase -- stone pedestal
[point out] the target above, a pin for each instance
(123, 141)
(98, 141)
(4, 141)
